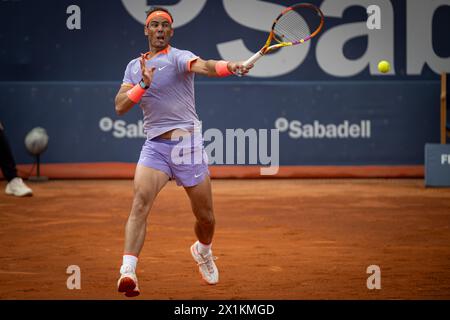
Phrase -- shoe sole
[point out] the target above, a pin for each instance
(199, 271)
(127, 286)
(131, 294)
(28, 194)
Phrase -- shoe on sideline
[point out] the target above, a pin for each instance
(16, 187)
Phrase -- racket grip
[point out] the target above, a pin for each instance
(253, 59)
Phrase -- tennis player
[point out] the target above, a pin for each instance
(161, 81)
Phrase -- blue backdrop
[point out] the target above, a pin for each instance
(65, 80)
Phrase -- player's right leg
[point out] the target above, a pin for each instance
(147, 184)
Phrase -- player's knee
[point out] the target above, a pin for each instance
(207, 218)
(141, 205)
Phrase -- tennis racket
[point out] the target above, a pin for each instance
(294, 25)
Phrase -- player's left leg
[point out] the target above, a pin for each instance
(202, 206)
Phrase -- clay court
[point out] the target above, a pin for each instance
(275, 239)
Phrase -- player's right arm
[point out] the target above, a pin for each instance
(130, 95)
(210, 67)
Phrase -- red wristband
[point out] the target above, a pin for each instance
(135, 94)
(222, 69)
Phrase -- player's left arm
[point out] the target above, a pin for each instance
(214, 68)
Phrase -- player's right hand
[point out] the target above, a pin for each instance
(147, 73)
(239, 69)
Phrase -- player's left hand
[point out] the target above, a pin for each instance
(147, 73)
(238, 68)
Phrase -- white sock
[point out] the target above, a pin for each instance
(129, 260)
(203, 248)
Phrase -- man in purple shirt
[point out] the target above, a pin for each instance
(162, 83)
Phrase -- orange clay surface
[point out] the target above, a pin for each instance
(275, 239)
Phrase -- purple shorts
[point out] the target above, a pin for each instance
(184, 161)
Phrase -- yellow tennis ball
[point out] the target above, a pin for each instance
(384, 66)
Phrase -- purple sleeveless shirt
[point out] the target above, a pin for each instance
(169, 103)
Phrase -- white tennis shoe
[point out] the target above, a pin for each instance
(18, 188)
(128, 282)
(206, 265)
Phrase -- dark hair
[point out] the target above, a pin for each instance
(153, 9)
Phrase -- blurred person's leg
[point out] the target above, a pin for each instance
(15, 185)
(7, 163)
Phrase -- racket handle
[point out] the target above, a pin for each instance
(253, 59)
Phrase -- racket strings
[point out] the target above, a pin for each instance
(293, 26)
